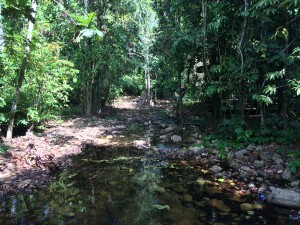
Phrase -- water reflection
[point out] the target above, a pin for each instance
(124, 187)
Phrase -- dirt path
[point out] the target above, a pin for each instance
(32, 160)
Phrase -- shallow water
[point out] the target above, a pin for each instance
(110, 186)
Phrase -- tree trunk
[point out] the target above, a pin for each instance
(285, 101)
(21, 73)
(262, 112)
(1, 29)
(89, 98)
(204, 26)
(241, 46)
(147, 82)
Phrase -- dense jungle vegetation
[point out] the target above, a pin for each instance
(231, 65)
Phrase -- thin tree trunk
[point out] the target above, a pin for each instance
(21, 73)
(285, 101)
(204, 26)
(240, 49)
(89, 98)
(1, 29)
(147, 82)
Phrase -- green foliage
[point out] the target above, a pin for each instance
(235, 129)
(3, 148)
(89, 33)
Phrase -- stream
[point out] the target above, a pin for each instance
(126, 186)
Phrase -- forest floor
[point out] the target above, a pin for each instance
(32, 161)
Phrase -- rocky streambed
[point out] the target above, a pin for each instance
(255, 180)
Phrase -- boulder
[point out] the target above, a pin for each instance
(284, 197)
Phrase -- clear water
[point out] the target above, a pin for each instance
(109, 186)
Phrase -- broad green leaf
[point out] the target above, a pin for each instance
(89, 33)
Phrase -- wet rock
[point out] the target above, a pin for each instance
(245, 207)
(180, 189)
(219, 205)
(187, 198)
(286, 175)
(156, 188)
(201, 181)
(216, 169)
(284, 197)
(176, 138)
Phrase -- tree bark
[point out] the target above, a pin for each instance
(147, 81)
(240, 49)
(204, 26)
(1, 29)
(21, 73)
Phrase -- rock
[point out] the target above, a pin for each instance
(251, 147)
(219, 205)
(196, 149)
(200, 181)
(258, 164)
(295, 183)
(259, 148)
(240, 154)
(167, 130)
(276, 157)
(163, 137)
(180, 189)
(216, 169)
(156, 188)
(286, 175)
(246, 168)
(284, 197)
(176, 138)
(244, 174)
(140, 143)
(187, 198)
(263, 154)
(259, 179)
(279, 161)
(245, 207)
